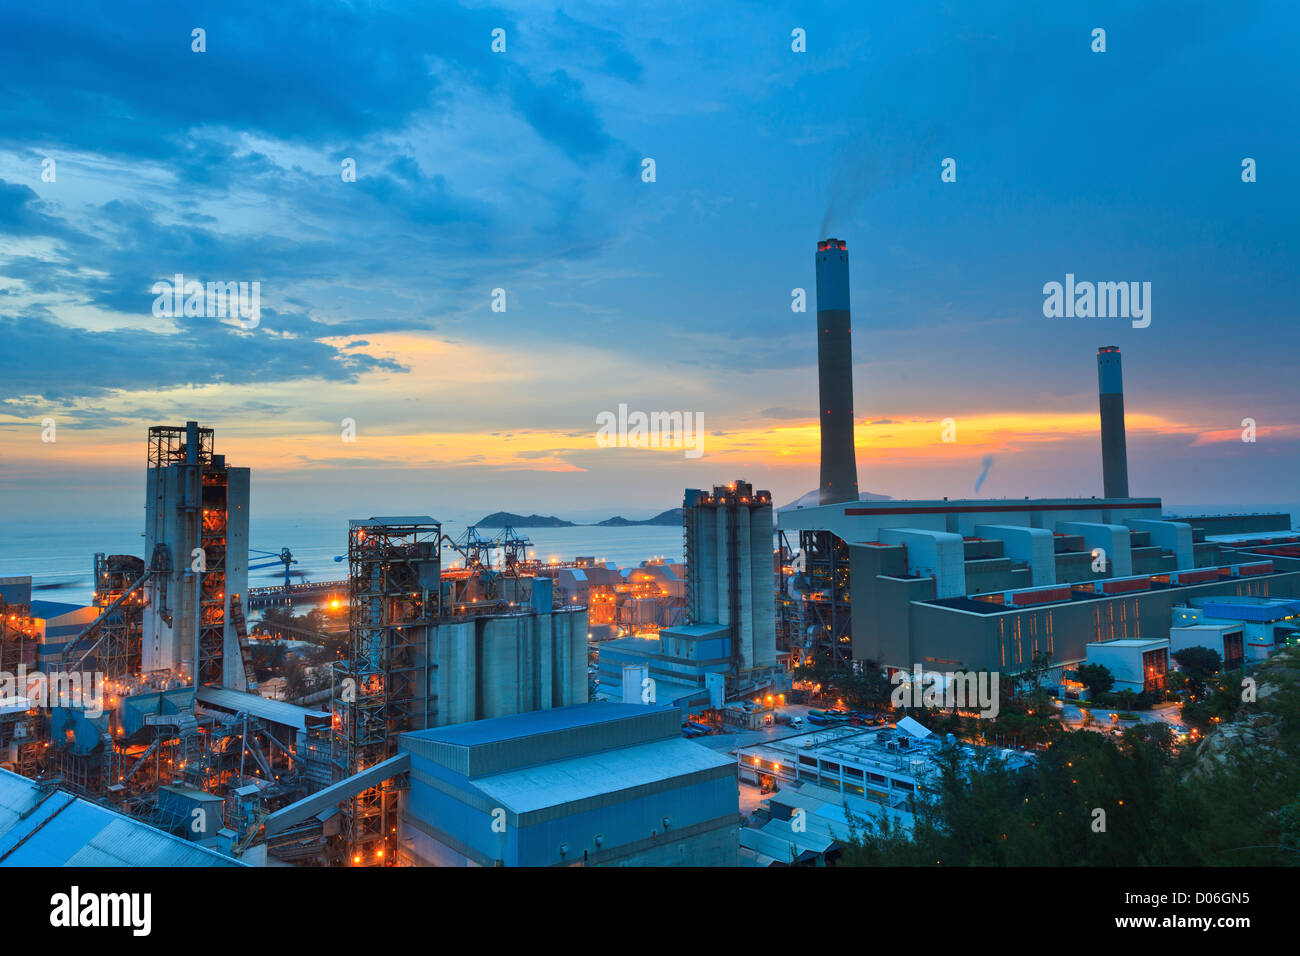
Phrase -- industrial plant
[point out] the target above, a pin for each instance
(513, 712)
(996, 584)
(180, 731)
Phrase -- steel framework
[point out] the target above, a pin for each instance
(18, 637)
(813, 603)
(382, 688)
(117, 583)
(212, 582)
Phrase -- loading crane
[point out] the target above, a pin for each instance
(284, 557)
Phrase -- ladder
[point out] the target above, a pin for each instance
(241, 630)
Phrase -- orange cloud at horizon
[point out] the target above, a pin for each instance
(533, 449)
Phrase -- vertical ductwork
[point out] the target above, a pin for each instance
(1114, 450)
(839, 468)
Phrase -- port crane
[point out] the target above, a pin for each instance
(284, 557)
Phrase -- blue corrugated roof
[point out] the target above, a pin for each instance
(535, 722)
(1273, 610)
(42, 828)
(48, 609)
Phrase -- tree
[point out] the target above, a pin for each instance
(980, 813)
(1199, 664)
(268, 659)
(1096, 677)
(1157, 808)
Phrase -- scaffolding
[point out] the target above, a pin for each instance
(212, 751)
(382, 688)
(209, 667)
(18, 638)
(117, 577)
(22, 747)
(173, 445)
(814, 614)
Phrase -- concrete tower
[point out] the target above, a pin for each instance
(730, 570)
(1114, 451)
(839, 471)
(196, 543)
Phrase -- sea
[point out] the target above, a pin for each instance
(59, 554)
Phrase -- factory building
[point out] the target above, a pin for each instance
(988, 585)
(196, 544)
(628, 601)
(600, 784)
(727, 648)
(420, 656)
(689, 666)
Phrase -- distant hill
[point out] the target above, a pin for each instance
(810, 500)
(673, 516)
(502, 519)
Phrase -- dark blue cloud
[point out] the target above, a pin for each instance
(61, 364)
(122, 80)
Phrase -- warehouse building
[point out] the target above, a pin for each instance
(599, 784)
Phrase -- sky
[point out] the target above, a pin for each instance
(127, 157)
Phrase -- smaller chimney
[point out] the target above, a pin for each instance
(1114, 450)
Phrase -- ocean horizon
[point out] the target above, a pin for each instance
(59, 555)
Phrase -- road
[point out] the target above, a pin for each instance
(1072, 718)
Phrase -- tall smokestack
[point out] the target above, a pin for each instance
(839, 478)
(1114, 451)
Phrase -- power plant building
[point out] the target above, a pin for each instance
(999, 584)
(989, 585)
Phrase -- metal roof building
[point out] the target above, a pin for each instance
(44, 826)
(595, 784)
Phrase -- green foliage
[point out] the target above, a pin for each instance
(1096, 677)
(1161, 807)
(1198, 665)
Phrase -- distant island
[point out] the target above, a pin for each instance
(504, 519)
(673, 516)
